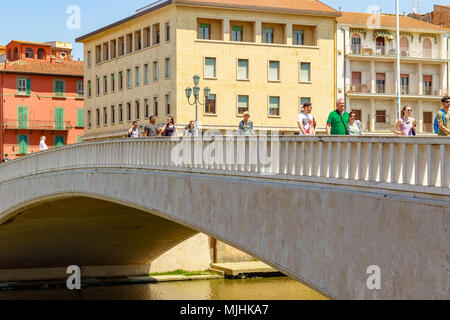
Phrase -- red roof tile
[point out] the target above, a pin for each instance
(67, 68)
(388, 20)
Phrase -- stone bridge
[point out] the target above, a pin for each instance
(320, 209)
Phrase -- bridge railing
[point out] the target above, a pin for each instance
(415, 164)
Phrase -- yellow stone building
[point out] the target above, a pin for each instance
(262, 56)
(2, 50)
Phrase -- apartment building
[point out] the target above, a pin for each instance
(439, 16)
(42, 94)
(267, 57)
(366, 53)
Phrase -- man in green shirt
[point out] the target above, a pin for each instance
(337, 123)
(443, 118)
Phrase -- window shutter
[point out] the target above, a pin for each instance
(80, 121)
(274, 70)
(305, 72)
(210, 67)
(28, 86)
(243, 69)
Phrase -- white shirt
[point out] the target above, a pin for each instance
(306, 120)
(42, 145)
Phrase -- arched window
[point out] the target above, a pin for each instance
(29, 53)
(380, 45)
(404, 46)
(41, 54)
(427, 48)
(356, 43)
(16, 53)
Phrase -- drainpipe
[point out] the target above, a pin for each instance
(345, 66)
(1, 116)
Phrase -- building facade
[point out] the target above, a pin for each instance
(439, 16)
(265, 57)
(366, 52)
(42, 95)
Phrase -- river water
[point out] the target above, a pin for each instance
(246, 289)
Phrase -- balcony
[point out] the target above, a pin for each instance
(11, 124)
(381, 88)
(390, 51)
(404, 89)
(358, 88)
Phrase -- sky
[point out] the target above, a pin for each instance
(47, 20)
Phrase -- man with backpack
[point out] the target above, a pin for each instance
(442, 122)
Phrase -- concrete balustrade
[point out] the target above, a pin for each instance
(408, 164)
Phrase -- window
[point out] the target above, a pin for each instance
(299, 39)
(89, 88)
(167, 68)
(427, 85)
(16, 53)
(242, 104)
(79, 139)
(128, 111)
(155, 106)
(113, 50)
(155, 71)
(97, 119)
(59, 119)
(59, 141)
(23, 86)
(22, 141)
(404, 82)
(80, 88)
(121, 46)
(156, 34)
(98, 54)
(60, 88)
(138, 40)
(242, 72)
(356, 81)
(404, 46)
(210, 105)
(274, 106)
(380, 82)
(146, 109)
(120, 116)
(205, 31)
(113, 82)
(356, 43)
(22, 117)
(105, 116)
(304, 100)
(274, 71)
(381, 116)
(29, 53)
(427, 48)
(147, 38)
(268, 35)
(129, 42)
(41, 54)
(128, 78)
(237, 33)
(105, 51)
(137, 76)
(80, 117)
(89, 119)
(113, 115)
(120, 80)
(97, 85)
(305, 72)
(167, 32)
(146, 74)
(137, 110)
(105, 84)
(168, 104)
(210, 68)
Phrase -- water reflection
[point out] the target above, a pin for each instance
(222, 289)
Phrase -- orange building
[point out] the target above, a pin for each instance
(42, 95)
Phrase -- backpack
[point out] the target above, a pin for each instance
(436, 125)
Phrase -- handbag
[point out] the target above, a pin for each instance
(347, 132)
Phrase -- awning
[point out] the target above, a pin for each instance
(384, 34)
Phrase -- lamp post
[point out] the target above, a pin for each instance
(196, 91)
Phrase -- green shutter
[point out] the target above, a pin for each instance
(237, 28)
(22, 117)
(28, 86)
(80, 117)
(59, 88)
(23, 144)
(79, 139)
(59, 118)
(59, 141)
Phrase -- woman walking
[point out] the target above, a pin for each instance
(169, 129)
(406, 126)
(355, 127)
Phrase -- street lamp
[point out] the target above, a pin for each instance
(196, 91)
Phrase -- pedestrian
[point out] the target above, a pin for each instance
(305, 121)
(169, 129)
(5, 159)
(337, 123)
(42, 145)
(355, 127)
(406, 126)
(191, 130)
(443, 118)
(151, 130)
(246, 126)
(134, 131)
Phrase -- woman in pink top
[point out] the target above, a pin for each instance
(406, 126)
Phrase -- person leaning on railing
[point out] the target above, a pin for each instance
(443, 118)
(246, 126)
(337, 123)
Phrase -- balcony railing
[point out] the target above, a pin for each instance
(390, 51)
(381, 88)
(358, 88)
(11, 124)
(404, 89)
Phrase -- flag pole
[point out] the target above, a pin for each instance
(399, 95)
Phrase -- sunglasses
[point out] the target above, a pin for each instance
(448, 101)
